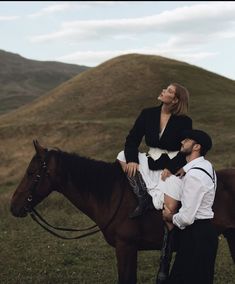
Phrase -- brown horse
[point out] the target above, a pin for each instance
(101, 191)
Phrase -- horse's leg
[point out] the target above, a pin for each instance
(230, 236)
(127, 262)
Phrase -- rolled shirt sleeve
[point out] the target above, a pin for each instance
(192, 195)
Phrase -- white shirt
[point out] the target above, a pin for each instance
(198, 194)
(155, 153)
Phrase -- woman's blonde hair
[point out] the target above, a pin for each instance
(182, 94)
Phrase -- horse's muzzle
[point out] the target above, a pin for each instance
(16, 212)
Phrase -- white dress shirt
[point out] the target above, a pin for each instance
(198, 193)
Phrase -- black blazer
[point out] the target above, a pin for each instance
(147, 124)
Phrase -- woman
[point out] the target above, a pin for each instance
(162, 127)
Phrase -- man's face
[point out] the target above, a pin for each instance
(187, 146)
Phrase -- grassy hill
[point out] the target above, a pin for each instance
(22, 80)
(93, 112)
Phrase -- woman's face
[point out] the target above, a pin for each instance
(167, 96)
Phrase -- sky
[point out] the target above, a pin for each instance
(90, 32)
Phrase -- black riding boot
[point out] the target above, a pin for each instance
(144, 199)
(166, 255)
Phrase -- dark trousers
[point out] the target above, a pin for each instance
(195, 259)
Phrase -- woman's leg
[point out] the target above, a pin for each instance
(172, 205)
(139, 188)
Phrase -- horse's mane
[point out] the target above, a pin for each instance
(89, 175)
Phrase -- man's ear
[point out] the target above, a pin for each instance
(197, 147)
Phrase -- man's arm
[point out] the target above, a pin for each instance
(192, 196)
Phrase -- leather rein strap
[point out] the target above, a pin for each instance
(44, 224)
(36, 217)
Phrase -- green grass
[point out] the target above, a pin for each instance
(31, 255)
(91, 114)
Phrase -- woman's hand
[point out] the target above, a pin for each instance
(180, 173)
(165, 174)
(131, 169)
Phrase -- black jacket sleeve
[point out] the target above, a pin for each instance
(134, 139)
(176, 163)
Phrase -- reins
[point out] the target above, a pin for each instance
(46, 225)
(34, 214)
(39, 216)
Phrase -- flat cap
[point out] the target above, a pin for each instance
(200, 137)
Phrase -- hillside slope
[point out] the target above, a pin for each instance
(93, 112)
(22, 80)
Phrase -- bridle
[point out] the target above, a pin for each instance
(29, 208)
(33, 189)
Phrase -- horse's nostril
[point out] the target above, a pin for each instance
(17, 213)
(13, 211)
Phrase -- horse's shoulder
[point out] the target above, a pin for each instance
(226, 179)
(225, 173)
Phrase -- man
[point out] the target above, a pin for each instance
(195, 258)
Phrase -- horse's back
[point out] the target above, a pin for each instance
(223, 207)
(226, 177)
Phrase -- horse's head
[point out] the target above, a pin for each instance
(37, 183)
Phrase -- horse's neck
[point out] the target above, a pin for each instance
(98, 211)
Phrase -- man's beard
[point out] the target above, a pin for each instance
(186, 152)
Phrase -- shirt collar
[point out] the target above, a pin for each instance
(191, 164)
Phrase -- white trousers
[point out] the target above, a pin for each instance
(156, 187)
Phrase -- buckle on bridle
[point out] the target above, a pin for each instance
(30, 198)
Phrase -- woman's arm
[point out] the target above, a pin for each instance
(134, 139)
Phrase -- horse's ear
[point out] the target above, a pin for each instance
(35, 143)
(39, 149)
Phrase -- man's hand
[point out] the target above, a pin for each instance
(131, 169)
(167, 214)
(165, 174)
(180, 173)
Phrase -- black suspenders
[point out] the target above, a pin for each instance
(201, 169)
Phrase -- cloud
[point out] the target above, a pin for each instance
(196, 57)
(51, 9)
(9, 18)
(65, 6)
(203, 19)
